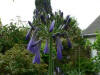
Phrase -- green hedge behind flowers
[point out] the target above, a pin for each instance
(14, 58)
(10, 35)
(18, 61)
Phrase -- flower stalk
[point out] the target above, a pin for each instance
(50, 57)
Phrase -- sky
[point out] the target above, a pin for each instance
(84, 11)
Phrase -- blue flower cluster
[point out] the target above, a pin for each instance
(34, 44)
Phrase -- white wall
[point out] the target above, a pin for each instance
(94, 51)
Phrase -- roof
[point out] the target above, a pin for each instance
(93, 28)
(89, 35)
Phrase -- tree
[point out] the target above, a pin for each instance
(43, 5)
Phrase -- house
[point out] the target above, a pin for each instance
(90, 33)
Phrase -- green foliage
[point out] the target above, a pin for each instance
(88, 44)
(75, 72)
(11, 35)
(19, 61)
(42, 5)
(97, 62)
(85, 67)
(80, 49)
(96, 44)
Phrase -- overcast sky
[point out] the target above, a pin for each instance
(85, 11)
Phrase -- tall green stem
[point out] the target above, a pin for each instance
(79, 61)
(50, 59)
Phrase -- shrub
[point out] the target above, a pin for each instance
(10, 35)
(18, 60)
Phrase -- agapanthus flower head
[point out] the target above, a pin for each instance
(28, 34)
(46, 49)
(59, 48)
(52, 26)
(37, 54)
(34, 44)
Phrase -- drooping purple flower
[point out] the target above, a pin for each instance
(67, 22)
(36, 12)
(61, 13)
(67, 18)
(28, 34)
(42, 18)
(59, 54)
(37, 54)
(59, 48)
(52, 26)
(30, 45)
(69, 43)
(31, 25)
(46, 49)
(36, 59)
(35, 43)
(60, 43)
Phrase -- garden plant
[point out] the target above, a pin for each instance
(53, 42)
